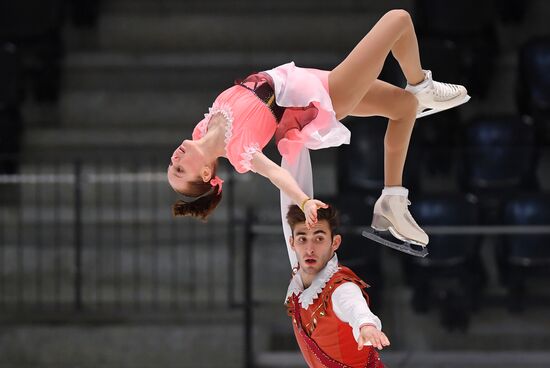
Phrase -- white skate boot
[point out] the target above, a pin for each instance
(434, 97)
(391, 214)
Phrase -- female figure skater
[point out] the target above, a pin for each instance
(302, 108)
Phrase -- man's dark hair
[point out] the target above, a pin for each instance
(295, 216)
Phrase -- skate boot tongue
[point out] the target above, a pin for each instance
(426, 83)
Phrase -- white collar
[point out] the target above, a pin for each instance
(312, 292)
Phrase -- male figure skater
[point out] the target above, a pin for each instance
(331, 318)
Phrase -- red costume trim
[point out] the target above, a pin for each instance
(311, 344)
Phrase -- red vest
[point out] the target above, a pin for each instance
(332, 336)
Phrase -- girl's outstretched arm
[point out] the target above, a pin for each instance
(287, 184)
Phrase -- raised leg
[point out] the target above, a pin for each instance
(353, 77)
(355, 90)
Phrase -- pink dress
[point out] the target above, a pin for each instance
(251, 124)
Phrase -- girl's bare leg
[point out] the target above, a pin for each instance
(353, 77)
(399, 106)
(354, 90)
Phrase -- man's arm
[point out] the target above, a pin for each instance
(351, 307)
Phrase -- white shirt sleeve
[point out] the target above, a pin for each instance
(350, 306)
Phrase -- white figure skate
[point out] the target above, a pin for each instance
(434, 97)
(391, 214)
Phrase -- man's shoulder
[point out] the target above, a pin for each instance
(345, 274)
(344, 271)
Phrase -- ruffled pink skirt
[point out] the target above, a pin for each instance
(309, 120)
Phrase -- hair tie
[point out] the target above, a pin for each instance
(217, 181)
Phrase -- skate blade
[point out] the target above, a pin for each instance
(435, 111)
(404, 247)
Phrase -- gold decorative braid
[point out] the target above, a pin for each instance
(270, 101)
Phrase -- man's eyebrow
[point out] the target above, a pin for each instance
(320, 231)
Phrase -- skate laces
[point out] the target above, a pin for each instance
(445, 90)
(441, 91)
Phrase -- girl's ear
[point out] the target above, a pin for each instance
(206, 173)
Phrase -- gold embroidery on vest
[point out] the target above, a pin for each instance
(320, 311)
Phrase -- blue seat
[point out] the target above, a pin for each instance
(524, 256)
(533, 92)
(447, 210)
(500, 155)
(528, 249)
(451, 277)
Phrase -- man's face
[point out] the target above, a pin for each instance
(314, 247)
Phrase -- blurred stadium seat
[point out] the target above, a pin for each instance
(524, 255)
(500, 155)
(451, 277)
(533, 87)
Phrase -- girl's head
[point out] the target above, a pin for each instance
(191, 175)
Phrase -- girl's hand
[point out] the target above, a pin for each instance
(369, 333)
(310, 211)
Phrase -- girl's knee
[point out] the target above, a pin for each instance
(400, 15)
(406, 106)
(410, 103)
